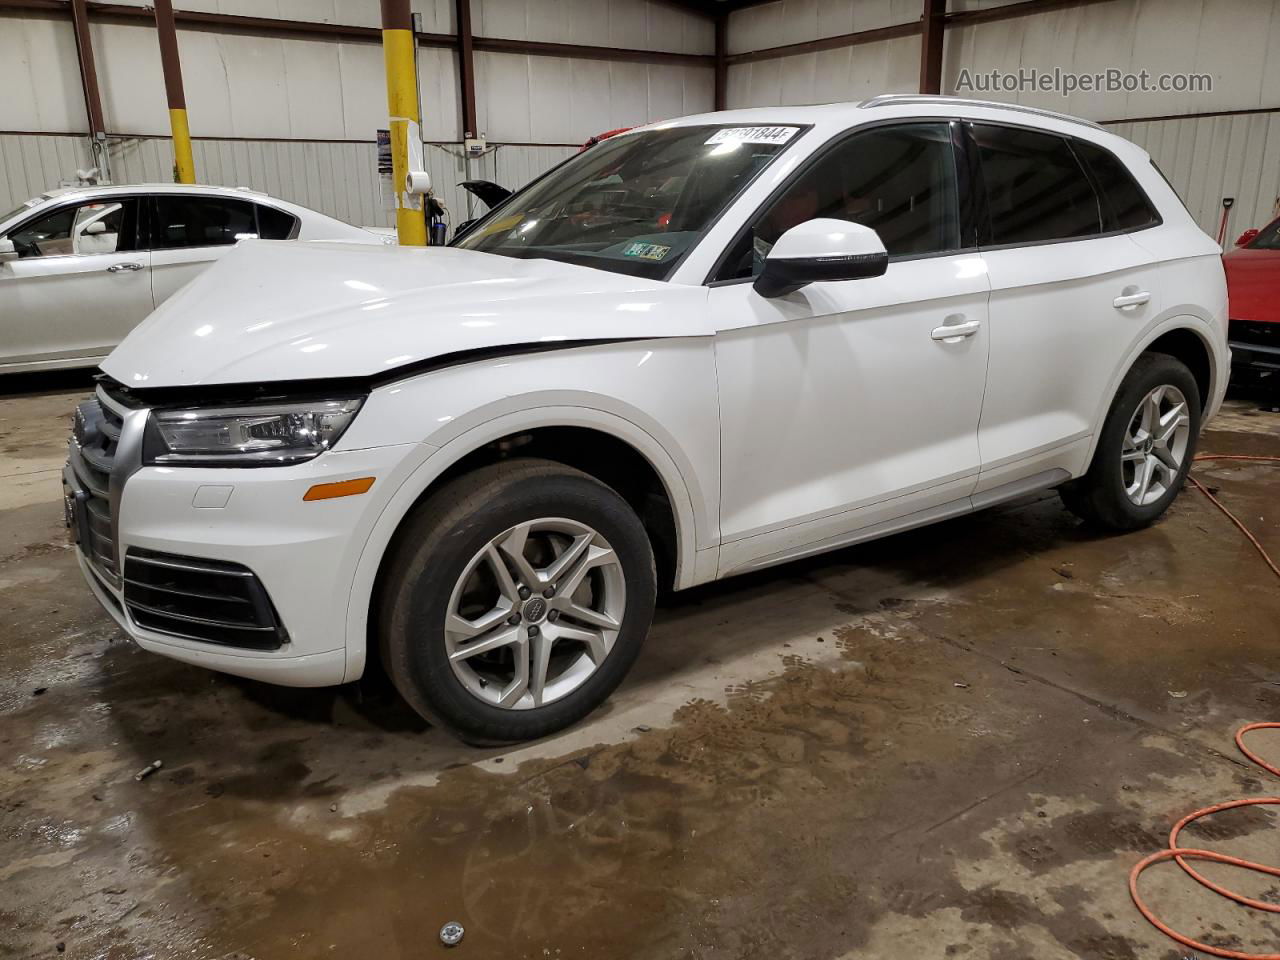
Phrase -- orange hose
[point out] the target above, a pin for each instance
(1180, 855)
(1266, 557)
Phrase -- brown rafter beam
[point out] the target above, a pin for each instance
(579, 51)
(1026, 8)
(829, 43)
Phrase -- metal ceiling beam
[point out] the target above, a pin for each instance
(829, 43)
(965, 18)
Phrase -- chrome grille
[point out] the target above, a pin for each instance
(95, 436)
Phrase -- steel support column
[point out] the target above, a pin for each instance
(466, 69)
(933, 22)
(722, 61)
(184, 164)
(89, 83)
(402, 105)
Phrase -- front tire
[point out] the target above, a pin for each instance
(1145, 449)
(515, 600)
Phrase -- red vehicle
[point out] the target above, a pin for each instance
(1253, 284)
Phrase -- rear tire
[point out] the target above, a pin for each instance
(522, 572)
(1145, 448)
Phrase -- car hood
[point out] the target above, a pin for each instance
(1253, 278)
(272, 311)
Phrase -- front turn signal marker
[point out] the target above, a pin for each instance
(343, 488)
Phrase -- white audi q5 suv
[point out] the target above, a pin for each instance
(700, 348)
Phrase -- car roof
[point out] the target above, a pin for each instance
(831, 118)
(115, 189)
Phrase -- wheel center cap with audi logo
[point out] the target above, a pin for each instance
(535, 609)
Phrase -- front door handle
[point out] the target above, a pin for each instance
(1131, 300)
(117, 267)
(955, 332)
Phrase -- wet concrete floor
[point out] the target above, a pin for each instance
(953, 743)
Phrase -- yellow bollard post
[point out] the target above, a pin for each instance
(402, 104)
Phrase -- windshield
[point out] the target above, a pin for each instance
(1268, 239)
(633, 204)
(21, 208)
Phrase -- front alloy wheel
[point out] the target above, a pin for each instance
(535, 613)
(515, 600)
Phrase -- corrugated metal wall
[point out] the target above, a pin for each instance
(339, 179)
(1208, 158)
(1236, 42)
(296, 116)
(30, 164)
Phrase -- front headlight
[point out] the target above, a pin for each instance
(245, 436)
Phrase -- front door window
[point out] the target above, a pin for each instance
(91, 228)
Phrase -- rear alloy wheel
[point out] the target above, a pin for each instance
(515, 600)
(1155, 445)
(1144, 450)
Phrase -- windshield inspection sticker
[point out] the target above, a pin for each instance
(752, 135)
(646, 251)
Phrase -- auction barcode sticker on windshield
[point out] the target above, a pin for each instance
(752, 135)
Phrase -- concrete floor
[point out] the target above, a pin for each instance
(953, 743)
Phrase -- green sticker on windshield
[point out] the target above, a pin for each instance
(646, 251)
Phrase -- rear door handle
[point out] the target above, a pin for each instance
(954, 332)
(1131, 300)
(117, 267)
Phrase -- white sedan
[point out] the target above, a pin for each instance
(82, 266)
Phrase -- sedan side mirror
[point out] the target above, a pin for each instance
(1247, 237)
(822, 249)
(7, 250)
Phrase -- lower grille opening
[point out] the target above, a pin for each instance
(196, 599)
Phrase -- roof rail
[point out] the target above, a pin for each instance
(898, 99)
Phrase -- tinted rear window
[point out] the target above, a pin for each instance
(274, 224)
(200, 222)
(1124, 205)
(1036, 189)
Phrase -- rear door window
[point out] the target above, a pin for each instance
(178, 222)
(1124, 205)
(1036, 189)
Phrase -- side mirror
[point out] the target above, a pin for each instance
(1247, 237)
(7, 250)
(822, 249)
